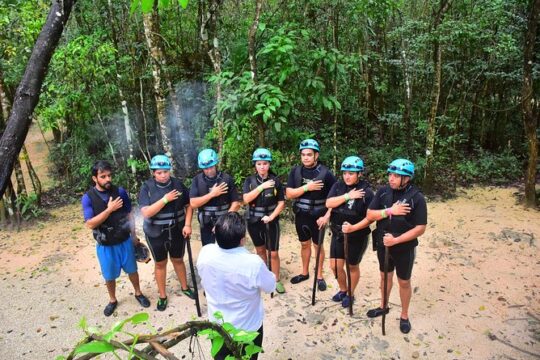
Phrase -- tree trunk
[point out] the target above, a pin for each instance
(151, 33)
(261, 128)
(436, 92)
(209, 28)
(27, 94)
(335, 32)
(36, 183)
(529, 103)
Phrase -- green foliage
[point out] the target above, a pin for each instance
(243, 338)
(490, 168)
(28, 205)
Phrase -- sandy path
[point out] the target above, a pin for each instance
(475, 291)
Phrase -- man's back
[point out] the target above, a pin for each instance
(233, 280)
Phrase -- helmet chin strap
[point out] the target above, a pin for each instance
(401, 185)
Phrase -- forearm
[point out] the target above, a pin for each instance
(293, 193)
(335, 201)
(279, 208)
(189, 215)
(151, 210)
(375, 215)
(412, 234)
(98, 219)
(362, 224)
(252, 195)
(235, 206)
(197, 202)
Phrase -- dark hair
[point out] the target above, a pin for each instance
(230, 229)
(101, 165)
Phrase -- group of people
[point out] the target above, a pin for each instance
(232, 277)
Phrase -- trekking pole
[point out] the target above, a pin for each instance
(348, 269)
(267, 245)
(193, 276)
(321, 240)
(385, 289)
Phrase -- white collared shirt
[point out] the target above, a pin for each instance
(232, 280)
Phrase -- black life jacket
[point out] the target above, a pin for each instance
(116, 228)
(352, 211)
(173, 212)
(217, 206)
(265, 202)
(396, 225)
(312, 201)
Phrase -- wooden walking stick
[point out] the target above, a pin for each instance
(348, 269)
(385, 290)
(321, 241)
(193, 277)
(267, 245)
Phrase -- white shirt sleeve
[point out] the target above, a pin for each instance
(266, 280)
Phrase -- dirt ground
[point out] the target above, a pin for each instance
(475, 280)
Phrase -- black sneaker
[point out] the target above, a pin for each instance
(377, 312)
(321, 284)
(404, 325)
(299, 278)
(109, 309)
(143, 300)
(339, 296)
(189, 293)
(161, 304)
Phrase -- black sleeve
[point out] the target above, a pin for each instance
(279, 188)
(144, 199)
(376, 203)
(194, 191)
(185, 195)
(419, 214)
(290, 180)
(245, 188)
(233, 191)
(333, 191)
(369, 196)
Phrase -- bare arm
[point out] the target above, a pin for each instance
(151, 210)
(235, 206)
(293, 193)
(215, 191)
(100, 218)
(415, 232)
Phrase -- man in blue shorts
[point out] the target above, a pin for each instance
(107, 212)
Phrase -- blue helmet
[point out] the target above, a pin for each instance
(207, 158)
(401, 167)
(309, 144)
(160, 162)
(352, 163)
(262, 154)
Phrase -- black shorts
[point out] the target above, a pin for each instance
(207, 235)
(402, 261)
(357, 247)
(306, 227)
(170, 242)
(257, 232)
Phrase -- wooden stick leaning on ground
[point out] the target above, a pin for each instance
(385, 290)
(193, 276)
(321, 243)
(348, 269)
(267, 245)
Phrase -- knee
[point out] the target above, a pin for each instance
(305, 245)
(274, 255)
(177, 261)
(161, 265)
(404, 284)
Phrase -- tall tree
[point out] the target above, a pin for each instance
(28, 91)
(529, 102)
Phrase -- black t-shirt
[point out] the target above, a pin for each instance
(307, 176)
(278, 187)
(144, 198)
(359, 206)
(231, 195)
(418, 214)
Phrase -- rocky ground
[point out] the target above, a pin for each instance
(476, 283)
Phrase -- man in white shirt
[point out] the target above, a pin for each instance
(233, 278)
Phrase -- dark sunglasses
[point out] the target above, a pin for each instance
(262, 156)
(207, 162)
(162, 163)
(396, 168)
(307, 143)
(351, 166)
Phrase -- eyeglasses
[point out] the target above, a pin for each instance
(399, 168)
(263, 156)
(308, 143)
(351, 166)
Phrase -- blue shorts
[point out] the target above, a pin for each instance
(114, 258)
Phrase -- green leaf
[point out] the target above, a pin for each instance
(147, 6)
(82, 323)
(262, 26)
(252, 349)
(217, 343)
(277, 126)
(139, 318)
(218, 315)
(183, 3)
(98, 347)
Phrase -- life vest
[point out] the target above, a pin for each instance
(172, 214)
(352, 211)
(312, 201)
(217, 206)
(265, 203)
(116, 228)
(397, 224)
